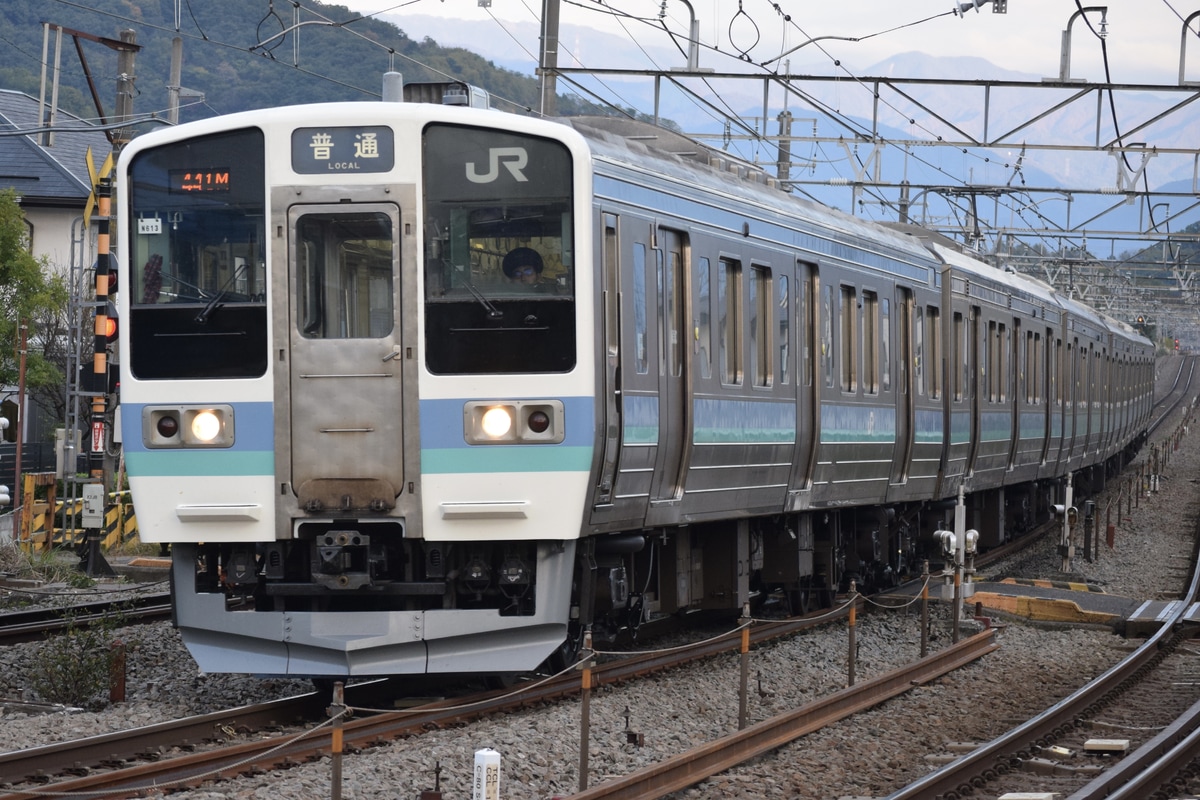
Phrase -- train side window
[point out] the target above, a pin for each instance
(958, 356)
(729, 324)
(827, 337)
(641, 346)
(611, 266)
(933, 325)
(806, 286)
(703, 318)
(784, 308)
(1056, 358)
(760, 325)
(848, 326)
(672, 277)
(991, 362)
(885, 344)
(919, 350)
(1002, 350)
(870, 346)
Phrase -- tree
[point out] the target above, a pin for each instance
(29, 294)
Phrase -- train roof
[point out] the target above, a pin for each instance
(653, 148)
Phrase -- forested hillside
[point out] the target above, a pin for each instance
(240, 54)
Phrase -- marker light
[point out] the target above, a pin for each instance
(205, 426)
(167, 426)
(496, 422)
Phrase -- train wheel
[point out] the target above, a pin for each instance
(567, 653)
(800, 601)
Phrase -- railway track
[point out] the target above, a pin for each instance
(1133, 690)
(371, 727)
(33, 624)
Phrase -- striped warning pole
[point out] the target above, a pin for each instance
(103, 329)
(94, 562)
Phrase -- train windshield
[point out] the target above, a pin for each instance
(197, 277)
(499, 252)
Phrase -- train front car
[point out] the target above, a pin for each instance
(356, 392)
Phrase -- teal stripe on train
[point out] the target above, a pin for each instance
(857, 424)
(196, 463)
(743, 422)
(506, 458)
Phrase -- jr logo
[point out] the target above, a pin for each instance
(513, 158)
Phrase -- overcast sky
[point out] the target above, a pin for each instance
(1143, 36)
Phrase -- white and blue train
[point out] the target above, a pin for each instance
(419, 388)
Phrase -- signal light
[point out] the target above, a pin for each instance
(106, 322)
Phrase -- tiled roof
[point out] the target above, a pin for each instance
(54, 175)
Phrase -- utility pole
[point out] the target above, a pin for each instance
(548, 61)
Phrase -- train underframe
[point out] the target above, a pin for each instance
(610, 584)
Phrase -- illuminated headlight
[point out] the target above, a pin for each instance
(187, 426)
(496, 422)
(514, 422)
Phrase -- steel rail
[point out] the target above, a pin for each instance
(1142, 772)
(31, 626)
(693, 766)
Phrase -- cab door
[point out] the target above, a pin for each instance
(343, 353)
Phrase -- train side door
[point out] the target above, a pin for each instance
(807, 381)
(648, 373)
(610, 296)
(344, 356)
(974, 387)
(905, 319)
(673, 409)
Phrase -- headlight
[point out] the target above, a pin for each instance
(496, 422)
(206, 426)
(513, 422)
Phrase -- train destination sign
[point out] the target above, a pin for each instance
(366, 148)
(198, 181)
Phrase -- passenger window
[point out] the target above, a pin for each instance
(848, 327)
(641, 347)
(729, 300)
(760, 325)
(784, 309)
(870, 349)
(827, 337)
(703, 319)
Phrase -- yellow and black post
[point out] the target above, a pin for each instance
(94, 562)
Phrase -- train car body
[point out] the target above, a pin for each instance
(381, 440)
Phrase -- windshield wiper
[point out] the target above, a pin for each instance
(492, 311)
(215, 302)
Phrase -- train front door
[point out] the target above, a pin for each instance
(344, 356)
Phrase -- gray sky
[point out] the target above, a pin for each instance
(1143, 36)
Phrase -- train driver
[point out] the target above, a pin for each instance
(523, 265)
